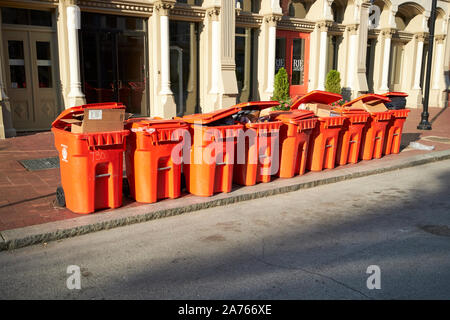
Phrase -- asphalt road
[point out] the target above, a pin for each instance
(311, 244)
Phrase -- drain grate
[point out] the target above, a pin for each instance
(40, 164)
(437, 139)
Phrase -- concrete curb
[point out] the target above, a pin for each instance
(22, 237)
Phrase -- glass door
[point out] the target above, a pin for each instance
(112, 53)
(292, 53)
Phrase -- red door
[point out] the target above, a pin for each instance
(292, 53)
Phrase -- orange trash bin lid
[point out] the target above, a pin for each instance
(134, 124)
(317, 96)
(206, 118)
(291, 116)
(395, 94)
(69, 113)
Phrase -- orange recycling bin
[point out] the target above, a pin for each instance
(294, 140)
(351, 135)
(213, 145)
(325, 136)
(394, 131)
(257, 153)
(395, 127)
(375, 130)
(153, 166)
(91, 164)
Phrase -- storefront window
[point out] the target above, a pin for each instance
(183, 42)
(244, 70)
(113, 60)
(17, 64)
(280, 54)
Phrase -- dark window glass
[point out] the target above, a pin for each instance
(27, 17)
(183, 73)
(280, 55)
(45, 76)
(43, 50)
(15, 49)
(14, 16)
(16, 64)
(298, 55)
(40, 18)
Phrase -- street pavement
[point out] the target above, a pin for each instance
(315, 243)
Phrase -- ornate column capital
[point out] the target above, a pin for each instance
(324, 25)
(387, 33)
(439, 38)
(272, 19)
(213, 13)
(163, 7)
(420, 37)
(352, 28)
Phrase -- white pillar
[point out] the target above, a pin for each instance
(352, 61)
(165, 55)
(215, 54)
(322, 55)
(418, 69)
(271, 58)
(438, 62)
(386, 60)
(73, 24)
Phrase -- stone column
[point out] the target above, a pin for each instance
(272, 40)
(75, 96)
(213, 14)
(387, 36)
(267, 40)
(163, 10)
(419, 57)
(352, 55)
(162, 103)
(438, 87)
(438, 61)
(323, 48)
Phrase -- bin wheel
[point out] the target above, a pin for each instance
(60, 197)
(125, 188)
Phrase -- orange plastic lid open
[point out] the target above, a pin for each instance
(370, 97)
(154, 123)
(205, 118)
(295, 115)
(69, 113)
(395, 94)
(316, 96)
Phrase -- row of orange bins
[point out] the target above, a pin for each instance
(215, 150)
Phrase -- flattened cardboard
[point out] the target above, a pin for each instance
(97, 120)
(372, 106)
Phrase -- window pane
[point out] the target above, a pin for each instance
(15, 49)
(14, 16)
(43, 50)
(280, 56)
(45, 76)
(298, 55)
(18, 79)
(41, 18)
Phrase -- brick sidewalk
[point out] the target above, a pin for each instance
(27, 197)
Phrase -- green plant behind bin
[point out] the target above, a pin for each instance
(333, 82)
(281, 90)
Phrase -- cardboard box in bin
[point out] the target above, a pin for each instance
(97, 120)
(321, 109)
(370, 106)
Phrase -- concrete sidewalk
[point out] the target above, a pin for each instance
(28, 214)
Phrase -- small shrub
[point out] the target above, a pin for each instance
(333, 82)
(281, 90)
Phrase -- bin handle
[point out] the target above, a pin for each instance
(164, 168)
(103, 175)
(328, 146)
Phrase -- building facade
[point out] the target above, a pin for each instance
(166, 58)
